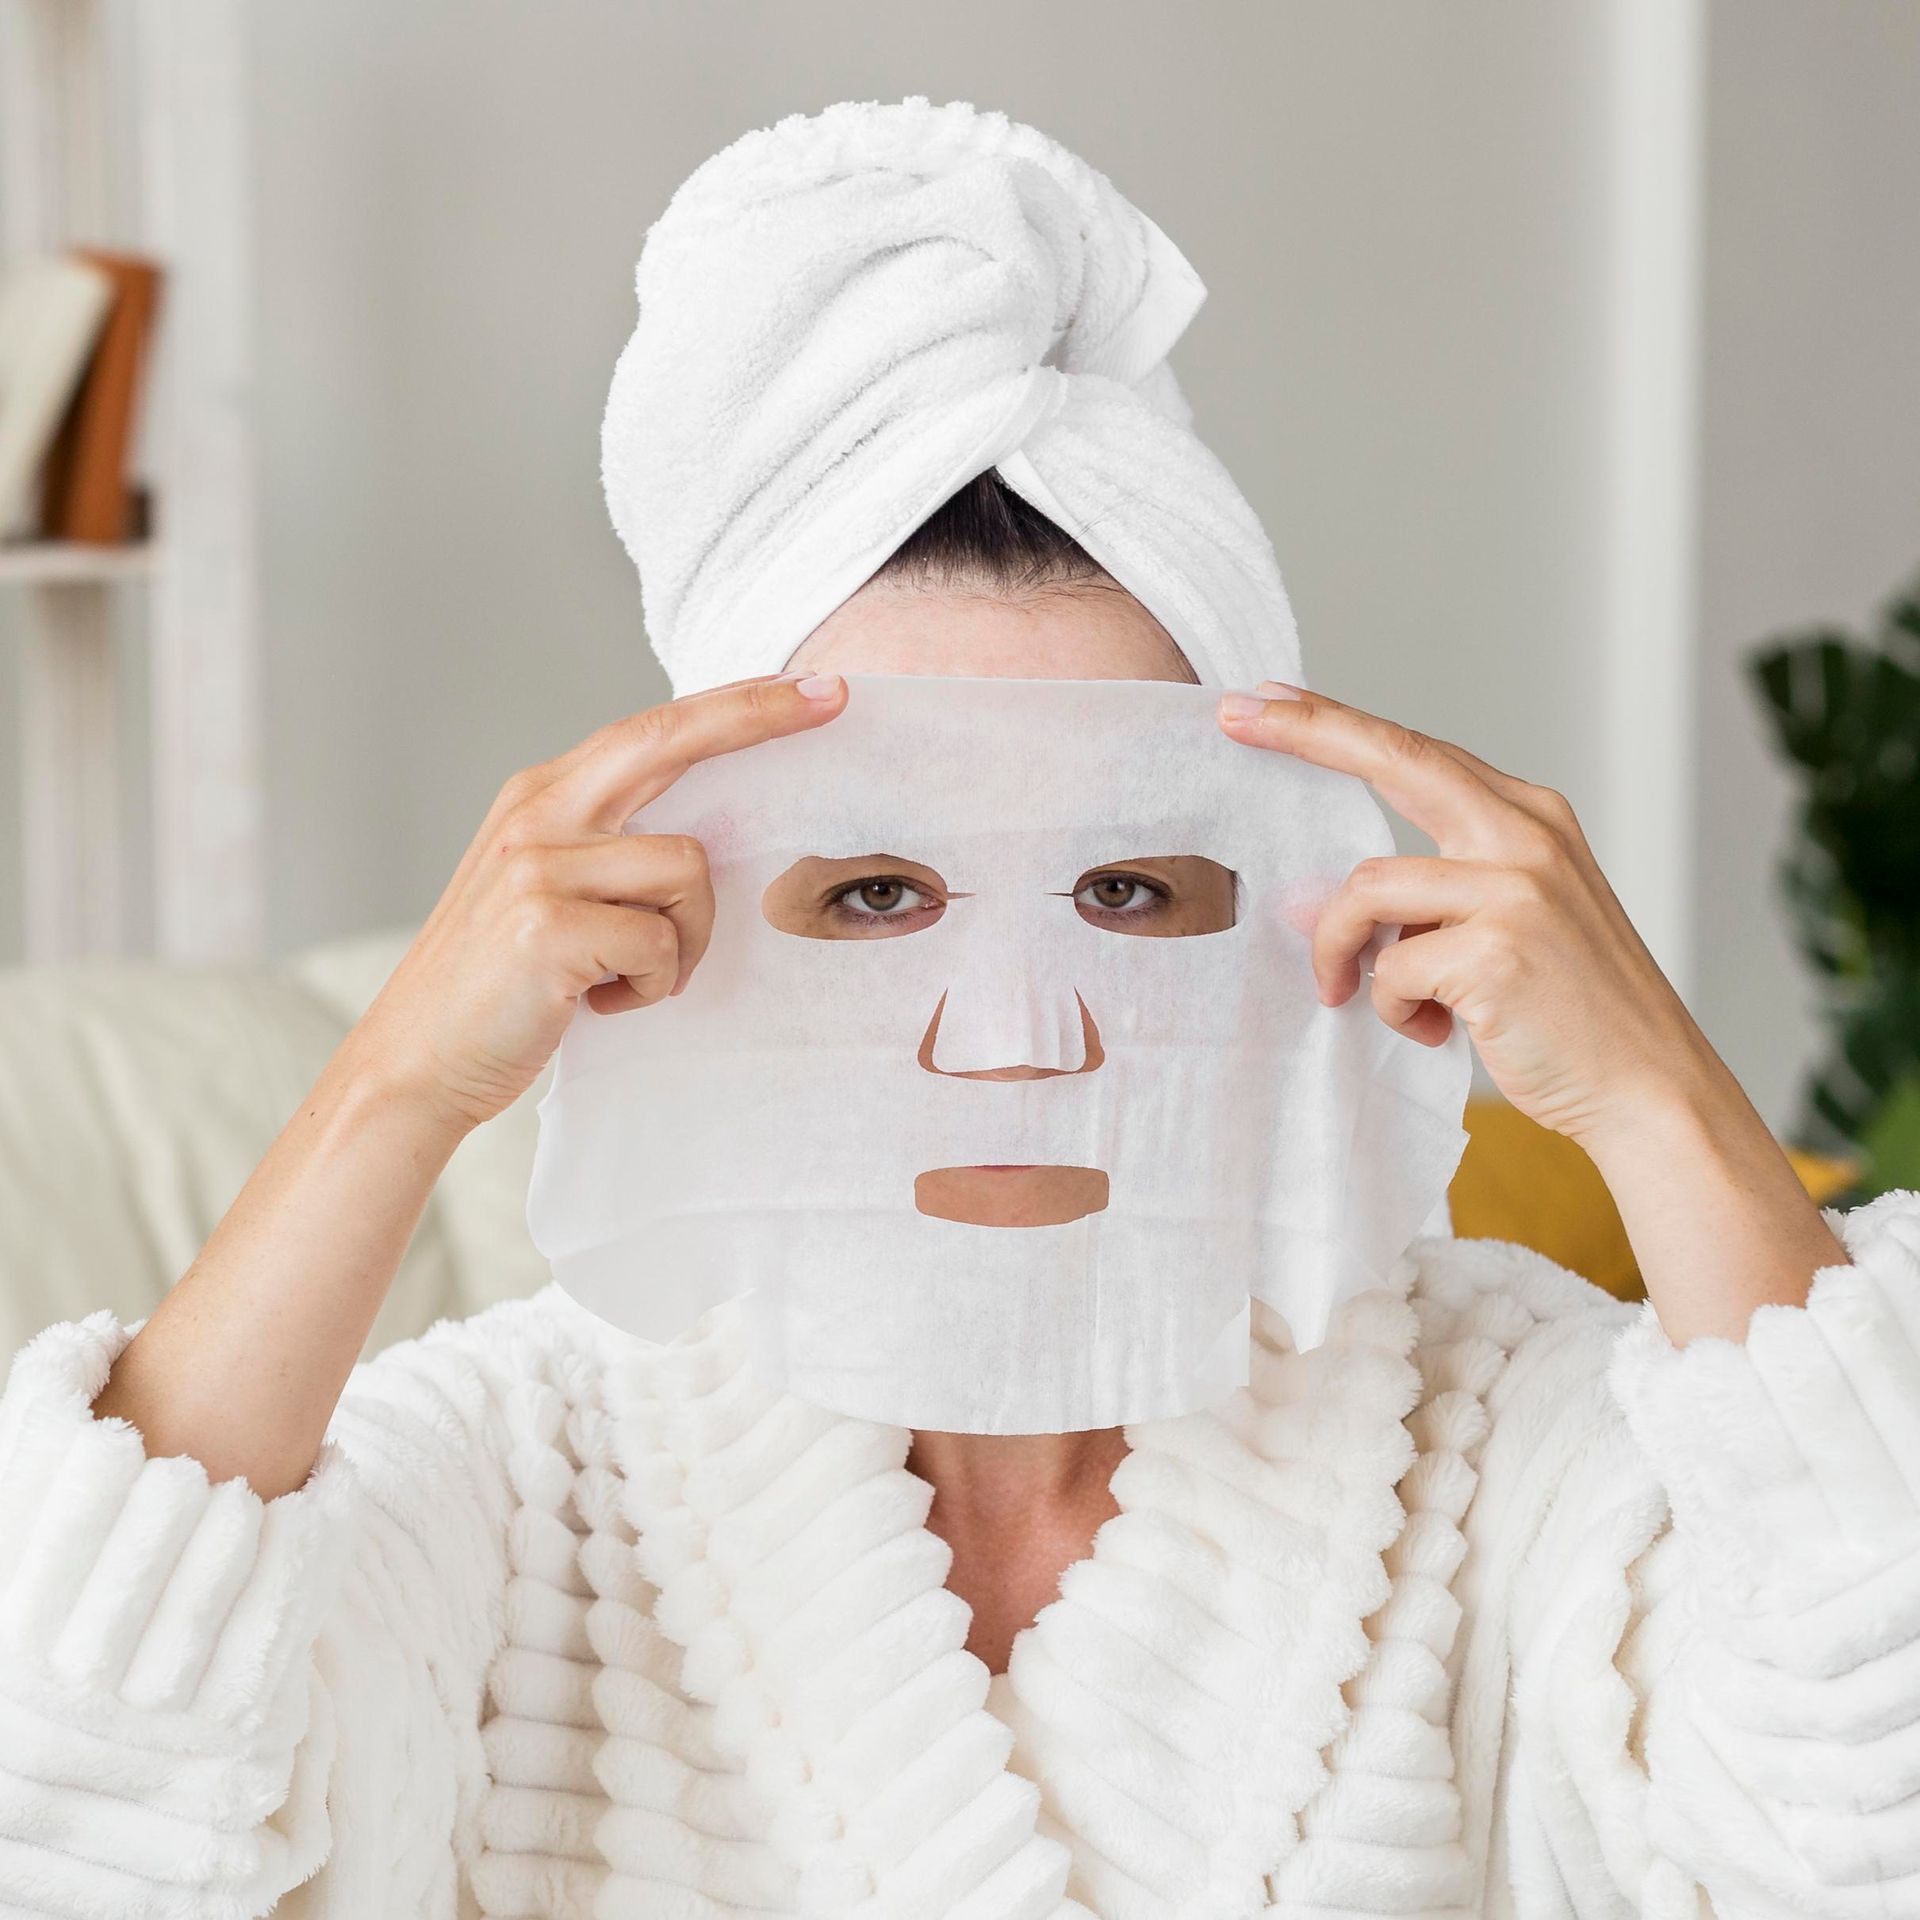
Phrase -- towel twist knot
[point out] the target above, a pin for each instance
(844, 318)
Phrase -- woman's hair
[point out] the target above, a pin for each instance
(987, 539)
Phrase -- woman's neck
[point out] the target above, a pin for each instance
(1016, 1510)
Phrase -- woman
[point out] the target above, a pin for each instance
(1507, 1599)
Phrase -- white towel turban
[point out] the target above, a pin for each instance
(845, 318)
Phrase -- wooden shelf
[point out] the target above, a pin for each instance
(124, 123)
(39, 563)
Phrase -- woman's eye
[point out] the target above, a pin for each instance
(1118, 893)
(884, 897)
(1170, 894)
(855, 897)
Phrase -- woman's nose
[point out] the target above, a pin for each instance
(1039, 1039)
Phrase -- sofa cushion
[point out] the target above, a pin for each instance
(134, 1101)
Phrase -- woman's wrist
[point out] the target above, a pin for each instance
(1689, 1107)
(368, 1084)
(1718, 1219)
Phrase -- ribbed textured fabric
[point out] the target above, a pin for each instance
(1493, 1604)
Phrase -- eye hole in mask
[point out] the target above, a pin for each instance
(873, 896)
(882, 896)
(1176, 894)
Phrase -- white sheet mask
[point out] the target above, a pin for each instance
(767, 1131)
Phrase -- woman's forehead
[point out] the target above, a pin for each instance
(1082, 633)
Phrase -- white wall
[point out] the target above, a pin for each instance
(1811, 497)
(1396, 206)
(1396, 360)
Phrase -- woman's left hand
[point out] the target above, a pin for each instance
(1512, 927)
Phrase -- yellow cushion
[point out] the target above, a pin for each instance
(1517, 1181)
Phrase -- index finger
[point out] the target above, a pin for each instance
(636, 759)
(1416, 776)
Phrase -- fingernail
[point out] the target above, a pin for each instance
(1240, 706)
(819, 686)
(1279, 690)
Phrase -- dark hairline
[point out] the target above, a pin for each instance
(988, 540)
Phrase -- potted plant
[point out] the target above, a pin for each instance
(1846, 711)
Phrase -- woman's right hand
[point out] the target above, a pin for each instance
(551, 898)
(242, 1363)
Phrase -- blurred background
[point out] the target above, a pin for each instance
(1567, 350)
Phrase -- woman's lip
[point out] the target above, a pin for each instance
(1065, 1195)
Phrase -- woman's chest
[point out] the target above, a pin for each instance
(733, 1679)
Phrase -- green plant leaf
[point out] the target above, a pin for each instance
(1846, 711)
(1890, 1142)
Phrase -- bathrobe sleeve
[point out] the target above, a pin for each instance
(1716, 1634)
(207, 1698)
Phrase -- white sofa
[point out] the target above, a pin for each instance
(135, 1099)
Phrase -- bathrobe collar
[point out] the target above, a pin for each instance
(1164, 1723)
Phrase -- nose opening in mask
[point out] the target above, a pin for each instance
(1018, 1032)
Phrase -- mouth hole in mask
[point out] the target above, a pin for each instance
(1009, 1196)
(875, 896)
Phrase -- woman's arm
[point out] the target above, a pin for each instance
(242, 1363)
(208, 1697)
(1718, 1219)
(1513, 928)
(1731, 1703)
(1697, 1576)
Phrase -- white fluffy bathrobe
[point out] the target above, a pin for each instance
(1494, 1604)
